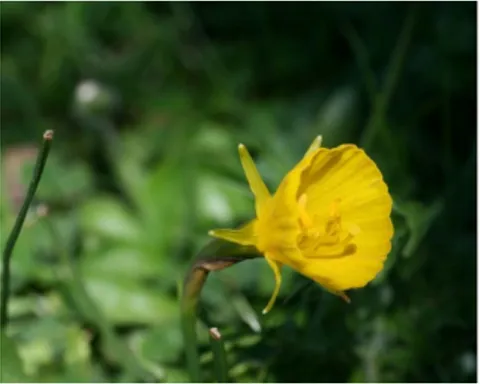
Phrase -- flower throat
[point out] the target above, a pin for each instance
(331, 241)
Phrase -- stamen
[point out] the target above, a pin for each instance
(334, 209)
(334, 241)
(354, 229)
(334, 251)
(305, 219)
(334, 223)
(333, 226)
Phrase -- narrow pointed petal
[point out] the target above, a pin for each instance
(243, 236)
(275, 265)
(317, 143)
(258, 187)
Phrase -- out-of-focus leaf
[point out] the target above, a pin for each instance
(108, 218)
(11, 364)
(220, 200)
(164, 205)
(31, 253)
(77, 346)
(162, 343)
(36, 353)
(215, 140)
(77, 356)
(126, 301)
(177, 376)
(336, 117)
(128, 263)
(61, 180)
(212, 138)
(246, 312)
(419, 218)
(131, 171)
(34, 304)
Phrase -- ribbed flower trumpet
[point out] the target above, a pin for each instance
(329, 219)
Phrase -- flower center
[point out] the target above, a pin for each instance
(330, 240)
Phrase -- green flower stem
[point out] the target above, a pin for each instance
(12, 239)
(215, 256)
(189, 301)
(219, 356)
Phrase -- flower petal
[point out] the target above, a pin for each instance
(355, 271)
(344, 173)
(275, 265)
(244, 235)
(279, 225)
(317, 143)
(258, 187)
(345, 177)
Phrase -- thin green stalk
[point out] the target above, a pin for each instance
(12, 239)
(219, 356)
(361, 54)
(190, 295)
(393, 74)
(215, 256)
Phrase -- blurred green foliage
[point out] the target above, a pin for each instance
(149, 100)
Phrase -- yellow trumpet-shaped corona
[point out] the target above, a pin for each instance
(329, 218)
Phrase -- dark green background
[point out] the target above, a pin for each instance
(147, 164)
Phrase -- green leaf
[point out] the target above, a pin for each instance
(125, 301)
(220, 200)
(34, 241)
(61, 179)
(336, 117)
(110, 219)
(77, 348)
(164, 205)
(213, 138)
(177, 376)
(418, 218)
(129, 263)
(11, 364)
(163, 343)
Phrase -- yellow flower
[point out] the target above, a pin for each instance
(328, 220)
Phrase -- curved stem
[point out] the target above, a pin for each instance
(208, 260)
(12, 238)
(190, 296)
